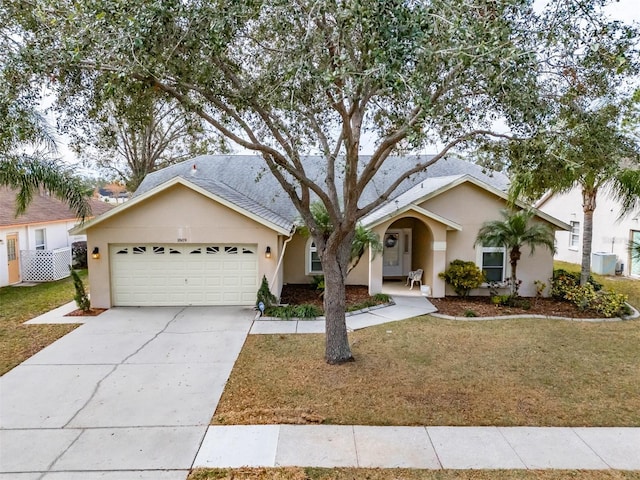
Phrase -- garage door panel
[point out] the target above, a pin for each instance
(168, 275)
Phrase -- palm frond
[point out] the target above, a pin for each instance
(27, 173)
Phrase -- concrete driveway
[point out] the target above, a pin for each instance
(128, 395)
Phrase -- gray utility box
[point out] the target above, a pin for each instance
(603, 263)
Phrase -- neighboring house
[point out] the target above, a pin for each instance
(36, 246)
(205, 231)
(611, 234)
(112, 193)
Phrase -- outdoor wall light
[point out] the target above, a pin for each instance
(267, 252)
(96, 253)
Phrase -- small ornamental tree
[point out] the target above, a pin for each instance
(81, 297)
(264, 294)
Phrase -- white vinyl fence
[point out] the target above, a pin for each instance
(45, 265)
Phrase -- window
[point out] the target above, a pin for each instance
(493, 263)
(41, 239)
(315, 266)
(574, 236)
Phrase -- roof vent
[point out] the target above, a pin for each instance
(194, 170)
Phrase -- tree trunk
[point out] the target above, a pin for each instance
(588, 206)
(335, 262)
(514, 257)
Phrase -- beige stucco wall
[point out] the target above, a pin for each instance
(296, 264)
(178, 212)
(471, 206)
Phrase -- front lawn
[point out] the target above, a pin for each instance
(19, 304)
(428, 371)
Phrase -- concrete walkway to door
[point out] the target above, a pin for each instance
(129, 394)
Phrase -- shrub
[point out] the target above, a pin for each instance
(563, 281)
(512, 300)
(382, 298)
(605, 303)
(81, 297)
(463, 277)
(264, 294)
(79, 254)
(610, 304)
(294, 311)
(500, 299)
(318, 282)
(306, 311)
(583, 296)
(470, 313)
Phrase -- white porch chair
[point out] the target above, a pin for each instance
(413, 277)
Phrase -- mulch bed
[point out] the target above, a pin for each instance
(482, 307)
(296, 294)
(93, 312)
(299, 294)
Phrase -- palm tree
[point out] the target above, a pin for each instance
(363, 239)
(28, 173)
(513, 232)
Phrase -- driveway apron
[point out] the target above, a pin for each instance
(128, 395)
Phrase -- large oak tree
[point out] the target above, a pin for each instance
(284, 78)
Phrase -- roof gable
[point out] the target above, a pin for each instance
(432, 187)
(242, 206)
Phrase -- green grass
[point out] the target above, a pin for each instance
(628, 286)
(428, 371)
(299, 473)
(19, 304)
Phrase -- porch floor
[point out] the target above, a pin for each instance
(400, 288)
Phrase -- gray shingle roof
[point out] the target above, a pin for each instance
(245, 181)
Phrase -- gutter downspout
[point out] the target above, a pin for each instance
(284, 248)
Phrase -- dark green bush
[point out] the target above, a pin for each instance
(264, 294)
(79, 254)
(81, 297)
(463, 277)
(294, 311)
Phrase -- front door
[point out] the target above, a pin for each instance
(13, 258)
(396, 256)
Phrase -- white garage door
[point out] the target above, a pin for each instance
(164, 275)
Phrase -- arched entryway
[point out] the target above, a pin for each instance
(407, 246)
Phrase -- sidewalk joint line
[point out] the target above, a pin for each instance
(590, 448)
(511, 447)
(426, 429)
(355, 445)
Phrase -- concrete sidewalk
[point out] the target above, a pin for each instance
(420, 447)
(405, 306)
